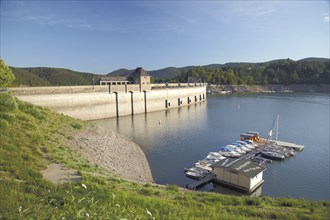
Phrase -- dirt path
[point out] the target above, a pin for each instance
(106, 149)
(57, 173)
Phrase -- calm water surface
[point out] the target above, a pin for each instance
(186, 135)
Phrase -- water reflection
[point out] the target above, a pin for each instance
(170, 127)
(228, 191)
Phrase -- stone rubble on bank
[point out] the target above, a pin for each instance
(113, 152)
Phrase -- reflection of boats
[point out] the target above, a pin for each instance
(272, 155)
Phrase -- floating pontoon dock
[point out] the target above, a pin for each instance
(198, 184)
(290, 145)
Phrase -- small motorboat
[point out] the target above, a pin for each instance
(272, 155)
(196, 172)
(225, 151)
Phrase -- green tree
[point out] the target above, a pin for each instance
(6, 75)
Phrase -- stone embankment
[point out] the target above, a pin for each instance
(113, 152)
(227, 89)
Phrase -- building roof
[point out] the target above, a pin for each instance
(244, 166)
(139, 72)
(113, 78)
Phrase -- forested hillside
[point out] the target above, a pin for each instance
(305, 71)
(286, 71)
(44, 76)
(276, 72)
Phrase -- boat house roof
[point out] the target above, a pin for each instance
(246, 167)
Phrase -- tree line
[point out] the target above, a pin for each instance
(276, 72)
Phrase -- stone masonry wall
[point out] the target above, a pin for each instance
(98, 102)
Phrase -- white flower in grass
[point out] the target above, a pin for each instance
(149, 213)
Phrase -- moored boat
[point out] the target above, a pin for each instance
(225, 151)
(196, 172)
(272, 155)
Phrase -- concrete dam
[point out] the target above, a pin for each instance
(112, 99)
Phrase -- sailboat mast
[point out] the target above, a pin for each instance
(276, 125)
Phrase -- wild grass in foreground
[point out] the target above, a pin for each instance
(31, 137)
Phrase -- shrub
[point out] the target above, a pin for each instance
(157, 193)
(8, 116)
(146, 191)
(30, 109)
(288, 202)
(173, 188)
(253, 202)
(7, 102)
(76, 125)
(4, 124)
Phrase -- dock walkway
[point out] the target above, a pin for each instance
(290, 145)
(198, 184)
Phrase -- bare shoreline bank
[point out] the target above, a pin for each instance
(113, 152)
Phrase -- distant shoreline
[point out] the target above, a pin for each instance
(236, 89)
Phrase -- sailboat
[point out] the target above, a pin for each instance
(274, 129)
(269, 152)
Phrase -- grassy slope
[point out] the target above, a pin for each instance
(30, 136)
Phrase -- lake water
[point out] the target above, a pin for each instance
(175, 139)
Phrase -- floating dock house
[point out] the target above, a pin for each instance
(239, 173)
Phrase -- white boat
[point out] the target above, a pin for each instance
(242, 147)
(196, 172)
(201, 164)
(245, 144)
(194, 175)
(251, 143)
(224, 151)
(236, 149)
(210, 160)
(215, 155)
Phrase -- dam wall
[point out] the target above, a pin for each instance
(98, 102)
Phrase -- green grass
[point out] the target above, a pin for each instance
(32, 136)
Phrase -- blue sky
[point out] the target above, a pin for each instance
(102, 36)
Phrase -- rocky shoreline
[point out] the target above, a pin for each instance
(228, 89)
(113, 152)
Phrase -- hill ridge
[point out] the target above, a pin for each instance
(50, 76)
